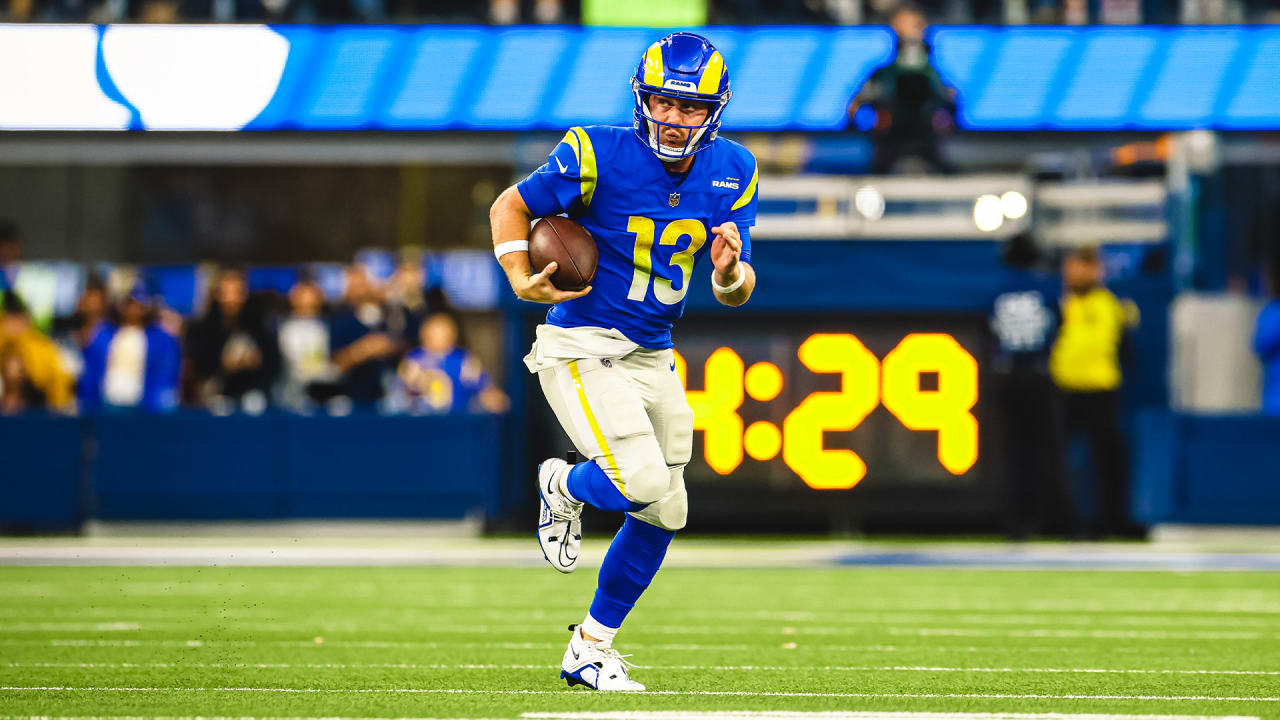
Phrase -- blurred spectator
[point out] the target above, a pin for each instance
(1086, 364)
(365, 348)
(440, 377)
(10, 254)
(1024, 320)
(234, 354)
(409, 300)
(32, 371)
(91, 310)
(1266, 342)
(132, 361)
(308, 375)
(904, 104)
(507, 12)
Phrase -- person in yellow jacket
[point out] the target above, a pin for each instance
(30, 359)
(1085, 363)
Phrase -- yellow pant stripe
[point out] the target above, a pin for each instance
(595, 426)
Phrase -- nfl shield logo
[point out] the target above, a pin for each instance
(674, 200)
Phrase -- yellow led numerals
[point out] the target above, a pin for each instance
(715, 410)
(642, 257)
(820, 412)
(947, 409)
(865, 383)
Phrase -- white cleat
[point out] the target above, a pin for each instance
(559, 518)
(596, 665)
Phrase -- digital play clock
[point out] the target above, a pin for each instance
(833, 402)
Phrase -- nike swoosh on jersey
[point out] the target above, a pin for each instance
(563, 169)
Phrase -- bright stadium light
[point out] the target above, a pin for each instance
(1014, 204)
(988, 213)
(869, 203)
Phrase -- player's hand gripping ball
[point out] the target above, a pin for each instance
(565, 251)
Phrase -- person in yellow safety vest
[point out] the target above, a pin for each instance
(1085, 363)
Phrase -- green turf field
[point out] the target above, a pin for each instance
(448, 643)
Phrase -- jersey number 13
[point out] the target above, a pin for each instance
(642, 257)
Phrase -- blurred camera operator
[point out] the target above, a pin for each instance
(904, 104)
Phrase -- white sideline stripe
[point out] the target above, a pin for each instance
(1118, 603)
(763, 668)
(712, 693)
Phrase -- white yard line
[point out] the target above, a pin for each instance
(700, 715)
(392, 619)
(1062, 633)
(709, 693)
(681, 630)
(842, 715)
(424, 645)
(748, 668)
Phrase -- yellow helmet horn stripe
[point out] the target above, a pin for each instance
(654, 73)
(709, 84)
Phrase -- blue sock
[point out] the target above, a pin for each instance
(633, 559)
(588, 483)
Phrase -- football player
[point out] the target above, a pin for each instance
(657, 196)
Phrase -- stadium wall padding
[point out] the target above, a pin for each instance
(300, 77)
(194, 466)
(1222, 470)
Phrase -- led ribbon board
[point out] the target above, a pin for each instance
(299, 77)
(1099, 78)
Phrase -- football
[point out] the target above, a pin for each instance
(570, 246)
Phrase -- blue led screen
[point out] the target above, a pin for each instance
(1112, 78)
(297, 77)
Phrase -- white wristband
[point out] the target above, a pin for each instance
(726, 289)
(510, 246)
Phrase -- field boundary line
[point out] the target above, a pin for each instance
(697, 693)
(528, 666)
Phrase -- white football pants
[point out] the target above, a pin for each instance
(624, 407)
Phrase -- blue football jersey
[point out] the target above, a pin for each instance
(651, 230)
